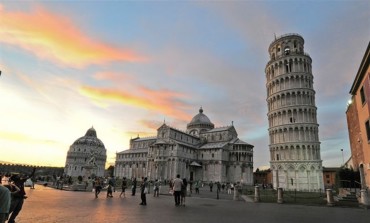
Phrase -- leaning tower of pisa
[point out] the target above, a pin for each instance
(293, 129)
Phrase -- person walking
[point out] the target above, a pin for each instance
(124, 186)
(4, 203)
(97, 186)
(144, 191)
(134, 183)
(183, 191)
(111, 185)
(156, 188)
(177, 184)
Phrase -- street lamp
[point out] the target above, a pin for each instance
(342, 157)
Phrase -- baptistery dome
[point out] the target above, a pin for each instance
(90, 139)
(199, 123)
(86, 152)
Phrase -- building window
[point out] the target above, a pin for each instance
(287, 51)
(367, 126)
(362, 93)
(327, 176)
(213, 155)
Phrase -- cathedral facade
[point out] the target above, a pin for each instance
(86, 156)
(202, 152)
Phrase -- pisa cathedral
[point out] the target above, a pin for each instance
(202, 152)
(293, 129)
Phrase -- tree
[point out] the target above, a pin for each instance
(110, 170)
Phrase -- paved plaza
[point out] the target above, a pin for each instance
(48, 205)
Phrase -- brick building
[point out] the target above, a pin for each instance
(358, 120)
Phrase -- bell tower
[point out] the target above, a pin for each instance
(295, 158)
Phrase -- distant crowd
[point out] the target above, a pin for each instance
(12, 193)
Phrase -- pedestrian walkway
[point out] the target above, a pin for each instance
(48, 205)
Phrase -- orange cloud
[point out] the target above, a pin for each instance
(112, 76)
(162, 101)
(20, 137)
(141, 134)
(55, 38)
(151, 124)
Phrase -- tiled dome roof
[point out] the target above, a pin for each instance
(90, 139)
(200, 118)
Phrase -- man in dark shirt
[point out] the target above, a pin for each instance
(19, 197)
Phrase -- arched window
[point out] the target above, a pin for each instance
(287, 51)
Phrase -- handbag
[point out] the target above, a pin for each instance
(145, 190)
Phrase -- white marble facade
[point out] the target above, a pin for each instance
(87, 153)
(202, 152)
(293, 129)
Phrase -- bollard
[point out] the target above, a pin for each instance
(329, 197)
(364, 199)
(280, 199)
(257, 197)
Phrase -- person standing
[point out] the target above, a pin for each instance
(210, 186)
(124, 186)
(4, 203)
(177, 184)
(197, 185)
(19, 197)
(143, 190)
(134, 183)
(156, 188)
(183, 191)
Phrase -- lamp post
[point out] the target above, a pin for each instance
(342, 157)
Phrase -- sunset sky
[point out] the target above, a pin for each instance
(124, 67)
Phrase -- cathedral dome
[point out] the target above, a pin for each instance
(199, 123)
(200, 118)
(89, 139)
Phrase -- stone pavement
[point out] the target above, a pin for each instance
(48, 205)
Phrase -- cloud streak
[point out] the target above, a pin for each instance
(56, 38)
(161, 101)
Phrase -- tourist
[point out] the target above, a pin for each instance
(109, 191)
(124, 186)
(183, 191)
(156, 188)
(97, 186)
(134, 183)
(197, 185)
(5, 179)
(144, 191)
(18, 197)
(177, 184)
(13, 191)
(4, 203)
(228, 187)
(218, 187)
(210, 186)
